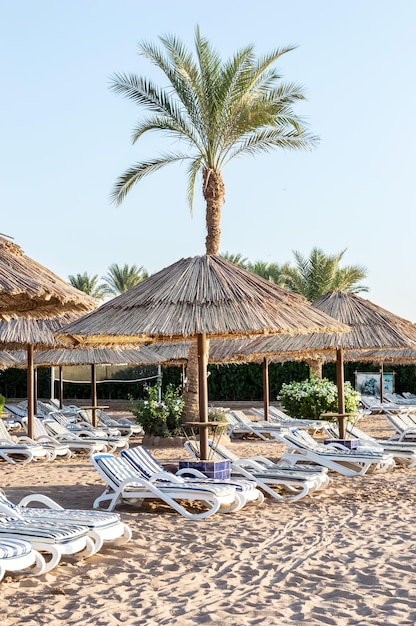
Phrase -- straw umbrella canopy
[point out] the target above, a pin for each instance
(28, 289)
(93, 357)
(371, 327)
(7, 360)
(30, 334)
(198, 297)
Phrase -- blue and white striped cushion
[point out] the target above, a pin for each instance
(39, 530)
(12, 548)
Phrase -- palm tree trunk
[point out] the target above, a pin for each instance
(315, 367)
(214, 193)
(190, 395)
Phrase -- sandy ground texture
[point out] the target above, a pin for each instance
(342, 556)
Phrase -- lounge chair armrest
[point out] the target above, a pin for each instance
(190, 471)
(40, 497)
(25, 440)
(172, 478)
(262, 460)
(248, 463)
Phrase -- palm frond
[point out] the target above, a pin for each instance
(193, 170)
(138, 171)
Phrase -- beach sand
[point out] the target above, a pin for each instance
(345, 555)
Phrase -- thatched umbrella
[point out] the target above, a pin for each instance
(28, 289)
(199, 297)
(93, 357)
(371, 327)
(31, 334)
(7, 360)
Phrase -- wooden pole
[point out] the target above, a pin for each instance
(61, 387)
(266, 388)
(30, 392)
(340, 384)
(35, 390)
(381, 384)
(94, 394)
(203, 394)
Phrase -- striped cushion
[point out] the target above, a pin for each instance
(141, 458)
(12, 548)
(41, 531)
(118, 470)
(91, 519)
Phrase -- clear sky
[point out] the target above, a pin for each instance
(65, 138)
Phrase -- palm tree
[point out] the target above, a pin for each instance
(88, 284)
(269, 271)
(237, 259)
(120, 279)
(218, 110)
(319, 273)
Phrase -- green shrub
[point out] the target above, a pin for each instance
(2, 403)
(160, 418)
(308, 399)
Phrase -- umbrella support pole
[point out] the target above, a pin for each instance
(266, 388)
(203, 394)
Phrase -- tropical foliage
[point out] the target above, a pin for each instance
(160, 418)
(320, 273)
(88, 284)
(216, 110)
(120, 279)
(308, 399)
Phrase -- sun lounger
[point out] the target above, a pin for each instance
(17, 555)
(402, 452)
(85, 430)
(404, 424)
(278, 417)
(282, 483)
(141, 459)
(301, 447)
(60, 450)
(50, 538)
(125, 484)
(102, 526)
(74, 442)
(239, 424)
(21, 449)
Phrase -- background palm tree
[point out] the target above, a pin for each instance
(122, 278)
(319, 273)
(269, 271)
(237, 259)
(218, 110)
(88, 284)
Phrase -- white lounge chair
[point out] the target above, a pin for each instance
(276, 416)
(302, 447)
(105, 422)
(125, 484)
(239, 424)
(13, 448)
(86, 430)
(402, 452)
(404, 424)
(102, 526)
(74, 442)
(282, 483)
(53, 539)
(60, 450)
(141, 459)
(17, 555)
